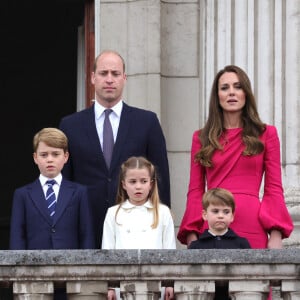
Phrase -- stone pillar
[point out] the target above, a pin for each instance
(291, 106)
(33, 290)
(194, 290)
(140, 290)
(87, 290)
(249, 290)
(290, 289)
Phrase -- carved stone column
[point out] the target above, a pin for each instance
(92, 290)
(33, 290)
(194, 290)
(249, 290)
(290, 289)
(140, 290)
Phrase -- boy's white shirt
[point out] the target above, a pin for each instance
(56, 186)
(133, 228)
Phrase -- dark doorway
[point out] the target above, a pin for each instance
(38, 59)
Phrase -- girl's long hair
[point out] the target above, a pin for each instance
(212, 131)
(139, 163)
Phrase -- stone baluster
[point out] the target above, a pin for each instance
(290, 289)
(140, 290)
(92, 290)
(249, 289)
(38, 290)
(194, 290)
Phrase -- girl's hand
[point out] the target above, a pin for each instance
(169, 293)
(275, 240)
(111, 294)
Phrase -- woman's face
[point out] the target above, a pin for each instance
(232, 97)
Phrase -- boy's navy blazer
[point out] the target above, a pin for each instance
(139, 134)
(33, 228)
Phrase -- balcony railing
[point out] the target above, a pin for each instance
(86, 274)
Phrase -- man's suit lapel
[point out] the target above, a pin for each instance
(91, 132)
(94, 142)
(123, 130)
(38, 198)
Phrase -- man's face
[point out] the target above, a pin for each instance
(109, 79)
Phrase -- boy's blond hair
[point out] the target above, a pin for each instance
(52, 137)
(218, 196)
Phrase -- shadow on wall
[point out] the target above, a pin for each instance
(38, 60)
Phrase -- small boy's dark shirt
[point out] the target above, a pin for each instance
(230, 240)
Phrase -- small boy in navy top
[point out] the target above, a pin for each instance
(218, 211)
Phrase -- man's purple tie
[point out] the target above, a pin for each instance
(50, 197)
(108, 138)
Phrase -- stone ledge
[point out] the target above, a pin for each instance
(144, 257)
(107, 257)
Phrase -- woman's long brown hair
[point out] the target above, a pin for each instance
(253, 127)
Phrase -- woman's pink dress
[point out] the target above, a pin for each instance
(242, 175)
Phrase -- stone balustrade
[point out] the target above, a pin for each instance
(86, 274)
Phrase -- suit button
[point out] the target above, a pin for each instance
(53, 230)
(109, 179)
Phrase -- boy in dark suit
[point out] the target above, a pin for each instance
(218, 211)
(54, 219)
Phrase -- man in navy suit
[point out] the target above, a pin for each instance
(136, 132)
(32, 226)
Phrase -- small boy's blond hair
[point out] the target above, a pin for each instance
(52, 137)
(218, 196)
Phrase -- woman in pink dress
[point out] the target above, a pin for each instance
(235, 150)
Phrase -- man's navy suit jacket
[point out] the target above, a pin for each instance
(33, 228)
(139, 134)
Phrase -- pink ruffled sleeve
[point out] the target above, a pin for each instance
(192, 219)
(273, 212)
